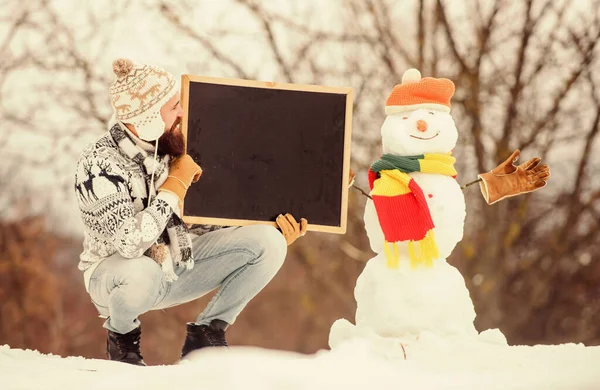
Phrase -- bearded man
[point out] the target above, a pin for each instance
(130, 186)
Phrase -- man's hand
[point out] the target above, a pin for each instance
(183, 171)
(508, 180)
(290, 228)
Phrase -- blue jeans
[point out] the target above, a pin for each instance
(240, 261)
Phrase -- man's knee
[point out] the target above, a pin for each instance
(266, 242)
(140, 279)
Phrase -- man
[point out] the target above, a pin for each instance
(130, 185)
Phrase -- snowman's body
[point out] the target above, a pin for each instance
(405, 302)
(402, 303)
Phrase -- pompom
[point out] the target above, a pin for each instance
(411, 76)
(122, 67)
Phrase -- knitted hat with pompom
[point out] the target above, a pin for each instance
(416, 92)
(137, 95)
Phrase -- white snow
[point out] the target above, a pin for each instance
(399, 132)
(431, 363)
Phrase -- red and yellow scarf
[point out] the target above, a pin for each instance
(401, 206)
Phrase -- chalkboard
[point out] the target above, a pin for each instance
(267, 149)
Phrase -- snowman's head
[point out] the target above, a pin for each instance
(420, 131)
(418, 116)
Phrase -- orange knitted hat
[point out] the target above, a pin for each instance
(416, 92)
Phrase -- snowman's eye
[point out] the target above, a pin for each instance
(404, 117)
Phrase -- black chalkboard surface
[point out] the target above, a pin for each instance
(267, 149)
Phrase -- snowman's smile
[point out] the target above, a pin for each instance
(436, 134)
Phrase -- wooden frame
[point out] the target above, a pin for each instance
(185, 89)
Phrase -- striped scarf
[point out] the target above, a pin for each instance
(401, 206)
(176, 234)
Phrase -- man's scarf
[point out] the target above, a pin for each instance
(177, 234)
(401, 206)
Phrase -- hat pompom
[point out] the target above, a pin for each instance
(411, 76)
(122, 67)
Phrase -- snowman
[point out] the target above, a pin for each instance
(415, 217)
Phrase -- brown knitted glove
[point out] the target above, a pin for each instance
(508, 180)
(290, 228)
(183, 171)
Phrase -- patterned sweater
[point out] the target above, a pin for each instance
(112, 195)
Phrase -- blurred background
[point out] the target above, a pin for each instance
(527, 75)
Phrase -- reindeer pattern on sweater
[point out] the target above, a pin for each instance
(111, 184)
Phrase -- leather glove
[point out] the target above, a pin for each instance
(508, 180)
(290, 228)
(183, 171)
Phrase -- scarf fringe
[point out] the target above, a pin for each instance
(421, 252)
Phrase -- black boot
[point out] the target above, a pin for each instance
(200, 336)
(125, 347)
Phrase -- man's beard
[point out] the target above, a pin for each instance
(172, 142)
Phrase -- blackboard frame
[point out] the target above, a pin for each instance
(187, 79)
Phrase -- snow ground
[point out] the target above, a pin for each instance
(432, 363)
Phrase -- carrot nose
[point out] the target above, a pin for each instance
(421, 125)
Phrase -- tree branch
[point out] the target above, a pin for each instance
(170, 15)
(588, 56)
(574, 210)
(450, 36)
(502, 149)
(421, 34)
(485, 32)
(265, 21)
